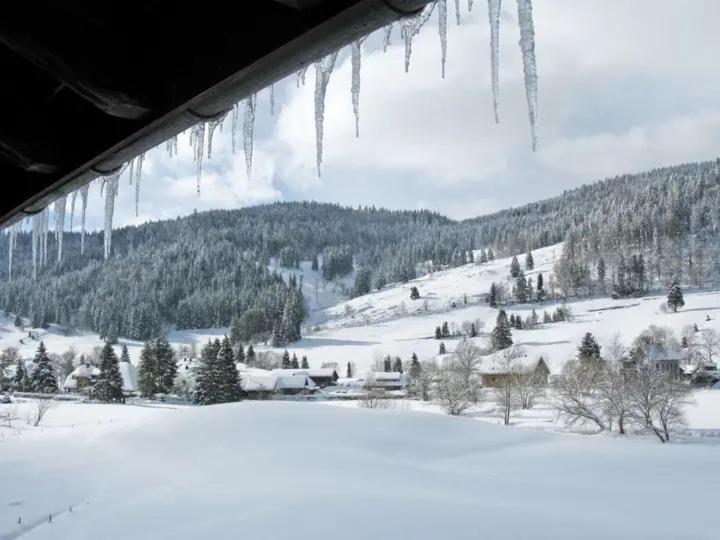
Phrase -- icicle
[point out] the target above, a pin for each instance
(72, 208)
(212, 125)
(171, 145)
(272, 100)
(323, 70)
(132, 171)
(248, 127)
(111, 186)
(386, 37)
(45, 233)
(84, 196)
(494, 16)
(235, 116)
(355, 85)
(442, 29)
(36, 229)
(410, 26)
(470, 3)
(527, 45)
(12, 241)
(301, 75)
(197, 140)
(138, 176)
(457, 12)
(60, 224)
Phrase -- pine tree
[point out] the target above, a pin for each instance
(589, 348)
(546, 317)
(147, 371)
(166, 365)
(304, 364)
(675, 298)
(21, 381)
(109, 386)
(286, 363)
(294, 364)
(124, 354)
(502, 334)
(540, 290)
(43, 379)
(491, 254)
(250, 356)
(397, 365)
(217, 378)
(493, 295)
(240, 352)
(438, 332)
(18, 322)
(483, 256)
(349, 372)
(445, 330)
(473, 330)
(529, 262)
(363, 282)
(228, 376)
(414, 293)
(514, 267)
(520, 289)
(441, 349)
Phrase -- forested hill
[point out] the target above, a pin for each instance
(202, 270)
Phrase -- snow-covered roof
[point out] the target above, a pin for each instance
(85, 371)
(495, 364)
(387, 376)
(258, 380)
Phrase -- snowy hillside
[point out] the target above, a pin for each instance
(366, 328)
(267, 469)
(363, 329)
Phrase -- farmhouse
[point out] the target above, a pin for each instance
(261, 384)
(385, 380)
(85, 376)
(493, 373)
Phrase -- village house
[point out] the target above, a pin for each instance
(261, 384)
(494, 373)
(83, 377)
(385, 380)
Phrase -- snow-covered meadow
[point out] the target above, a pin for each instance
(304, 470)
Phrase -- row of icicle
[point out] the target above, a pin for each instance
(201, 135)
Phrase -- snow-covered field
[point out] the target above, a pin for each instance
(303, 470)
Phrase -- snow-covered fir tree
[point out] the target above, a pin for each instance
(109, 385)
(217, 377)
(529, 261)
(589, 348)
(43, 378)
(514, 267)
(501, 337)
(675, 298)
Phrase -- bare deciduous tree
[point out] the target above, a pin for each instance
(577, 394)
(458, 384)
(658, 398)
(42, 406)
(709, 345)
(614, 394)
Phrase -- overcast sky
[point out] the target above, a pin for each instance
(623, 86)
